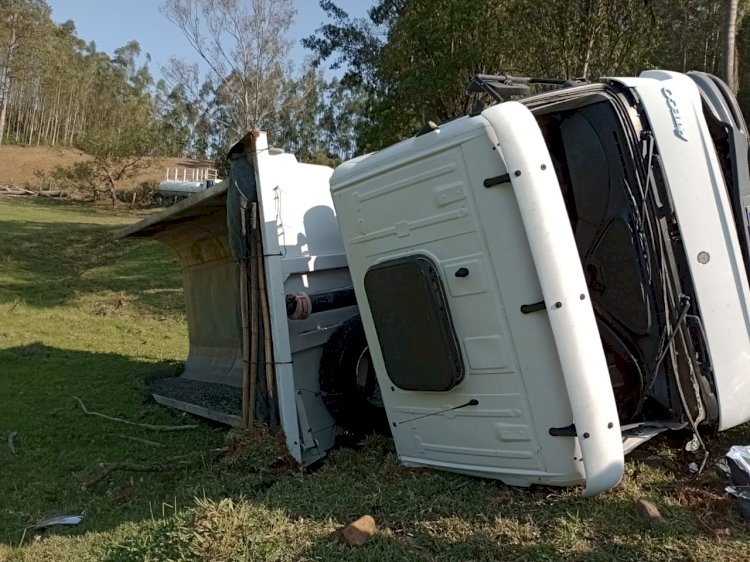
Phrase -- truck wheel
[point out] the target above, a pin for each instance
(348, 383)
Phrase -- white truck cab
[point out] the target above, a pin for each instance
(547, 282)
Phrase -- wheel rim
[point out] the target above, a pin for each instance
(366, 379)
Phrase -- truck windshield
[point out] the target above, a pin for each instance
(605, 176)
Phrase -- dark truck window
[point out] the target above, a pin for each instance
(590, 154)
(414, 325)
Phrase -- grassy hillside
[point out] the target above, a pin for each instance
(19, 163)
(82, 315)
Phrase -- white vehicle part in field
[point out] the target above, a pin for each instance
(427, 197)
(699, 196)
(172, 188)
(303, 252)
(566, 296)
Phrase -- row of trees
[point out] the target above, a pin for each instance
(414, 58)
(407, 62)
(56, 89)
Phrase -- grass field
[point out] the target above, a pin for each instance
(82, 315)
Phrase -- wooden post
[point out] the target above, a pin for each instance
(270, 369)
(245, 326)
(254, 343)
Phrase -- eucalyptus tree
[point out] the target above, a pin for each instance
(244, 43)
(20, 23)
(343, 117)
(729, 33)
(296, 125)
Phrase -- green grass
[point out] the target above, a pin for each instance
(83, 315)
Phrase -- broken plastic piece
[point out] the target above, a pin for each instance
(69, 520)
(738, 460)
(693, 445)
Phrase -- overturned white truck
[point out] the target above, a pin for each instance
(543, 284)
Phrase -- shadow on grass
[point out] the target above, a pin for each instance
(47, 264)
(58, 448)
(431, 515)
(254, 511)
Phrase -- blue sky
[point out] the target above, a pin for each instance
(112, 23)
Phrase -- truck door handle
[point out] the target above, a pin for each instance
(536, 307)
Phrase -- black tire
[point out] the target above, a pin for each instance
(348, 383)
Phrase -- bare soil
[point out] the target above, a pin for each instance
(19, 163)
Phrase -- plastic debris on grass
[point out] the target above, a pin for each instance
(737, 467)
(42, 526)
(65, 520)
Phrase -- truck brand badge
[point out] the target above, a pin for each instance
(679, 127)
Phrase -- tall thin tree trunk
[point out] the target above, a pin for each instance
(593, 18)
(730, 32)
(5, 86)
(112, 188)
(3, 113)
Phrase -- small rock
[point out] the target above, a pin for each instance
(648, 512)
(722, 532)
(355, 533)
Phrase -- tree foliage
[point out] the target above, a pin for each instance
(414, 58)
(317, 119)
(118, 155)
(407, 62)
(251, 82)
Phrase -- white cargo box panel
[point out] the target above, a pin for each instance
(449, 236)
(302, 252)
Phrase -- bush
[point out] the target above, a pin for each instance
(78, 177)
(144, 195)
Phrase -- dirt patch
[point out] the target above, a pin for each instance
(713, 508)
(19, 163)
